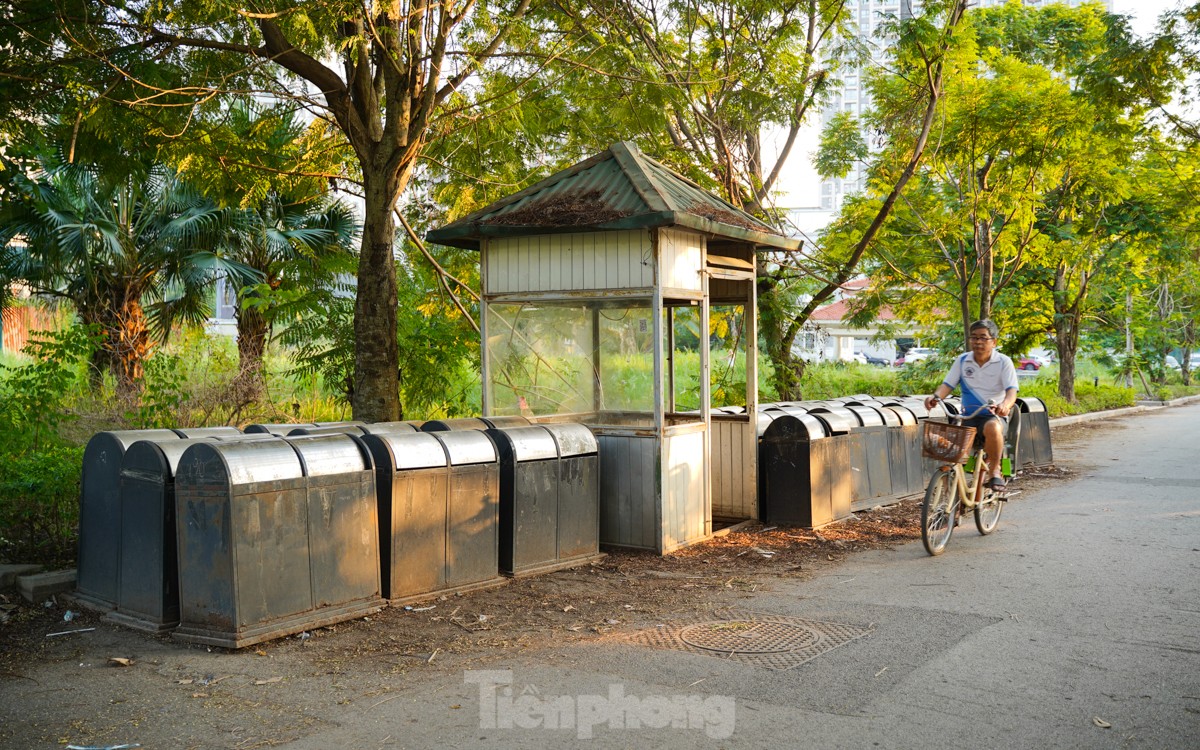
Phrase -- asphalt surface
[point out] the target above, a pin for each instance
(1075, 625)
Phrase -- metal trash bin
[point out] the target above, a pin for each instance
(549, 497)
(528, 498)
(844, 441)
(578, 492)
(148, 574)
(904, 451)
(439, 512)
(876, 468)
(796, 475)
(99, 557)
(246, 552)
(411, 482)
(343, 524)
(449, 425)
(1033, 443)
(473, 554)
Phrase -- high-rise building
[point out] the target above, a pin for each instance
(869, 16)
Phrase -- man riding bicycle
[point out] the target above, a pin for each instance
(986, 376)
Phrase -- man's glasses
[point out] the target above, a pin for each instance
(981, 338)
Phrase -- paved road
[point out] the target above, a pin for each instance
(1076, 625)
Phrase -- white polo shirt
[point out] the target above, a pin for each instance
(981, 383)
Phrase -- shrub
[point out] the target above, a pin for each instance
(39, 505)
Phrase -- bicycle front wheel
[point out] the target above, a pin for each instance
(938, 510)
(987, 513)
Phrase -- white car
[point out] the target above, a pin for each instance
(1171, 363)
(918, 353)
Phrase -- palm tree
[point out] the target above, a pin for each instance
(133, 255)
(295, 244)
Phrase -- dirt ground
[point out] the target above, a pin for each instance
(622, 592)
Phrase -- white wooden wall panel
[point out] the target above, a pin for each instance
(680, 255)
(685, 507)
(569, 262)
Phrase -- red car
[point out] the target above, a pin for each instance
(1029, 363)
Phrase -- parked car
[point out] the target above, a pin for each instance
(1029, 363)
(1171, 363)
(877, 361)
(916, 354)
(859, 357)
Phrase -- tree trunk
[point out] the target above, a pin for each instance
(1185, 359)
(129, 342)
(252, 331)
(1067, 315)
(376, 395)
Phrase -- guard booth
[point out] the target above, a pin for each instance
(604, 287)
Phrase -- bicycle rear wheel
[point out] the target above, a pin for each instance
(938, 511)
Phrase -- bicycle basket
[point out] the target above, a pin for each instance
(949, 443)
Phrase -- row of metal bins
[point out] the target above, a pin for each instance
(233, 539)
(818, 459)
(103, 533)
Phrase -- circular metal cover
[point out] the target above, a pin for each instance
(749, 637)
(323, 455)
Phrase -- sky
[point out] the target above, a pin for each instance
(801, 181)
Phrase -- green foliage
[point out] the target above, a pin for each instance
(1090, 397)
(841, 147)
(164, 393)
(39, 505)
(34, 396)
(832, 379)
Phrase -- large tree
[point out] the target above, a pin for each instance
(387, 77)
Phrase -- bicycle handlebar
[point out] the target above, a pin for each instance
(989, 406)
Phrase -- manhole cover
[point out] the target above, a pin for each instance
(743, 637)
(758, 639)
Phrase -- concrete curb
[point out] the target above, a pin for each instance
(1112, 413)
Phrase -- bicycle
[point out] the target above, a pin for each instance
(949, 494)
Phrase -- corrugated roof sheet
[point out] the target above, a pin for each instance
(619, 188)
